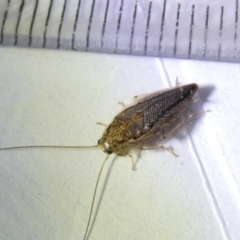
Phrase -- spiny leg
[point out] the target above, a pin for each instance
(160, 147)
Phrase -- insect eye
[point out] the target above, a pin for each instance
(104, 147)
(108, 151)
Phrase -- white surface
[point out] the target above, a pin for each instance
(56, 98)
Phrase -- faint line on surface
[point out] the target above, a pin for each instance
(18, 22)
(118, 25)
(236, 29)
(46, 23)
(191, 32)
(220, 33)
(210, 190)
(147, 27)
(32, 23)
(206, 32)
(176, 30)
(4, 21)
(60, 25)
(75, 25)
(104, 23)
(89, 25)
(133, 27)
(162, 27)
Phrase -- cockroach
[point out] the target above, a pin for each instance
(137, 124)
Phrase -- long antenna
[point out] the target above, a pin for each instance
(17, 147)
(98, 178)
(94, 195)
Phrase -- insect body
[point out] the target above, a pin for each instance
(152, 114)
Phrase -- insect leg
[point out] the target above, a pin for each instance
(177, 83)
(133, 162)
(122, 104)
(185, 120)
(161, 147)
(172, 131)
(102, 124)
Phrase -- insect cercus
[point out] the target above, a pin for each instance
(137, 124)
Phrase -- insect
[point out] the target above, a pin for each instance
(137, 124)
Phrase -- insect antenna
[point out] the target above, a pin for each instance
(94, 196)
(36, 146)
(55, 146)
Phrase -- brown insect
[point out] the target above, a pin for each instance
(137, 124)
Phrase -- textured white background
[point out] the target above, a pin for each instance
(56, 98)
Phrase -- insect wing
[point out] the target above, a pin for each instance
(177, 101)
(156, 111)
